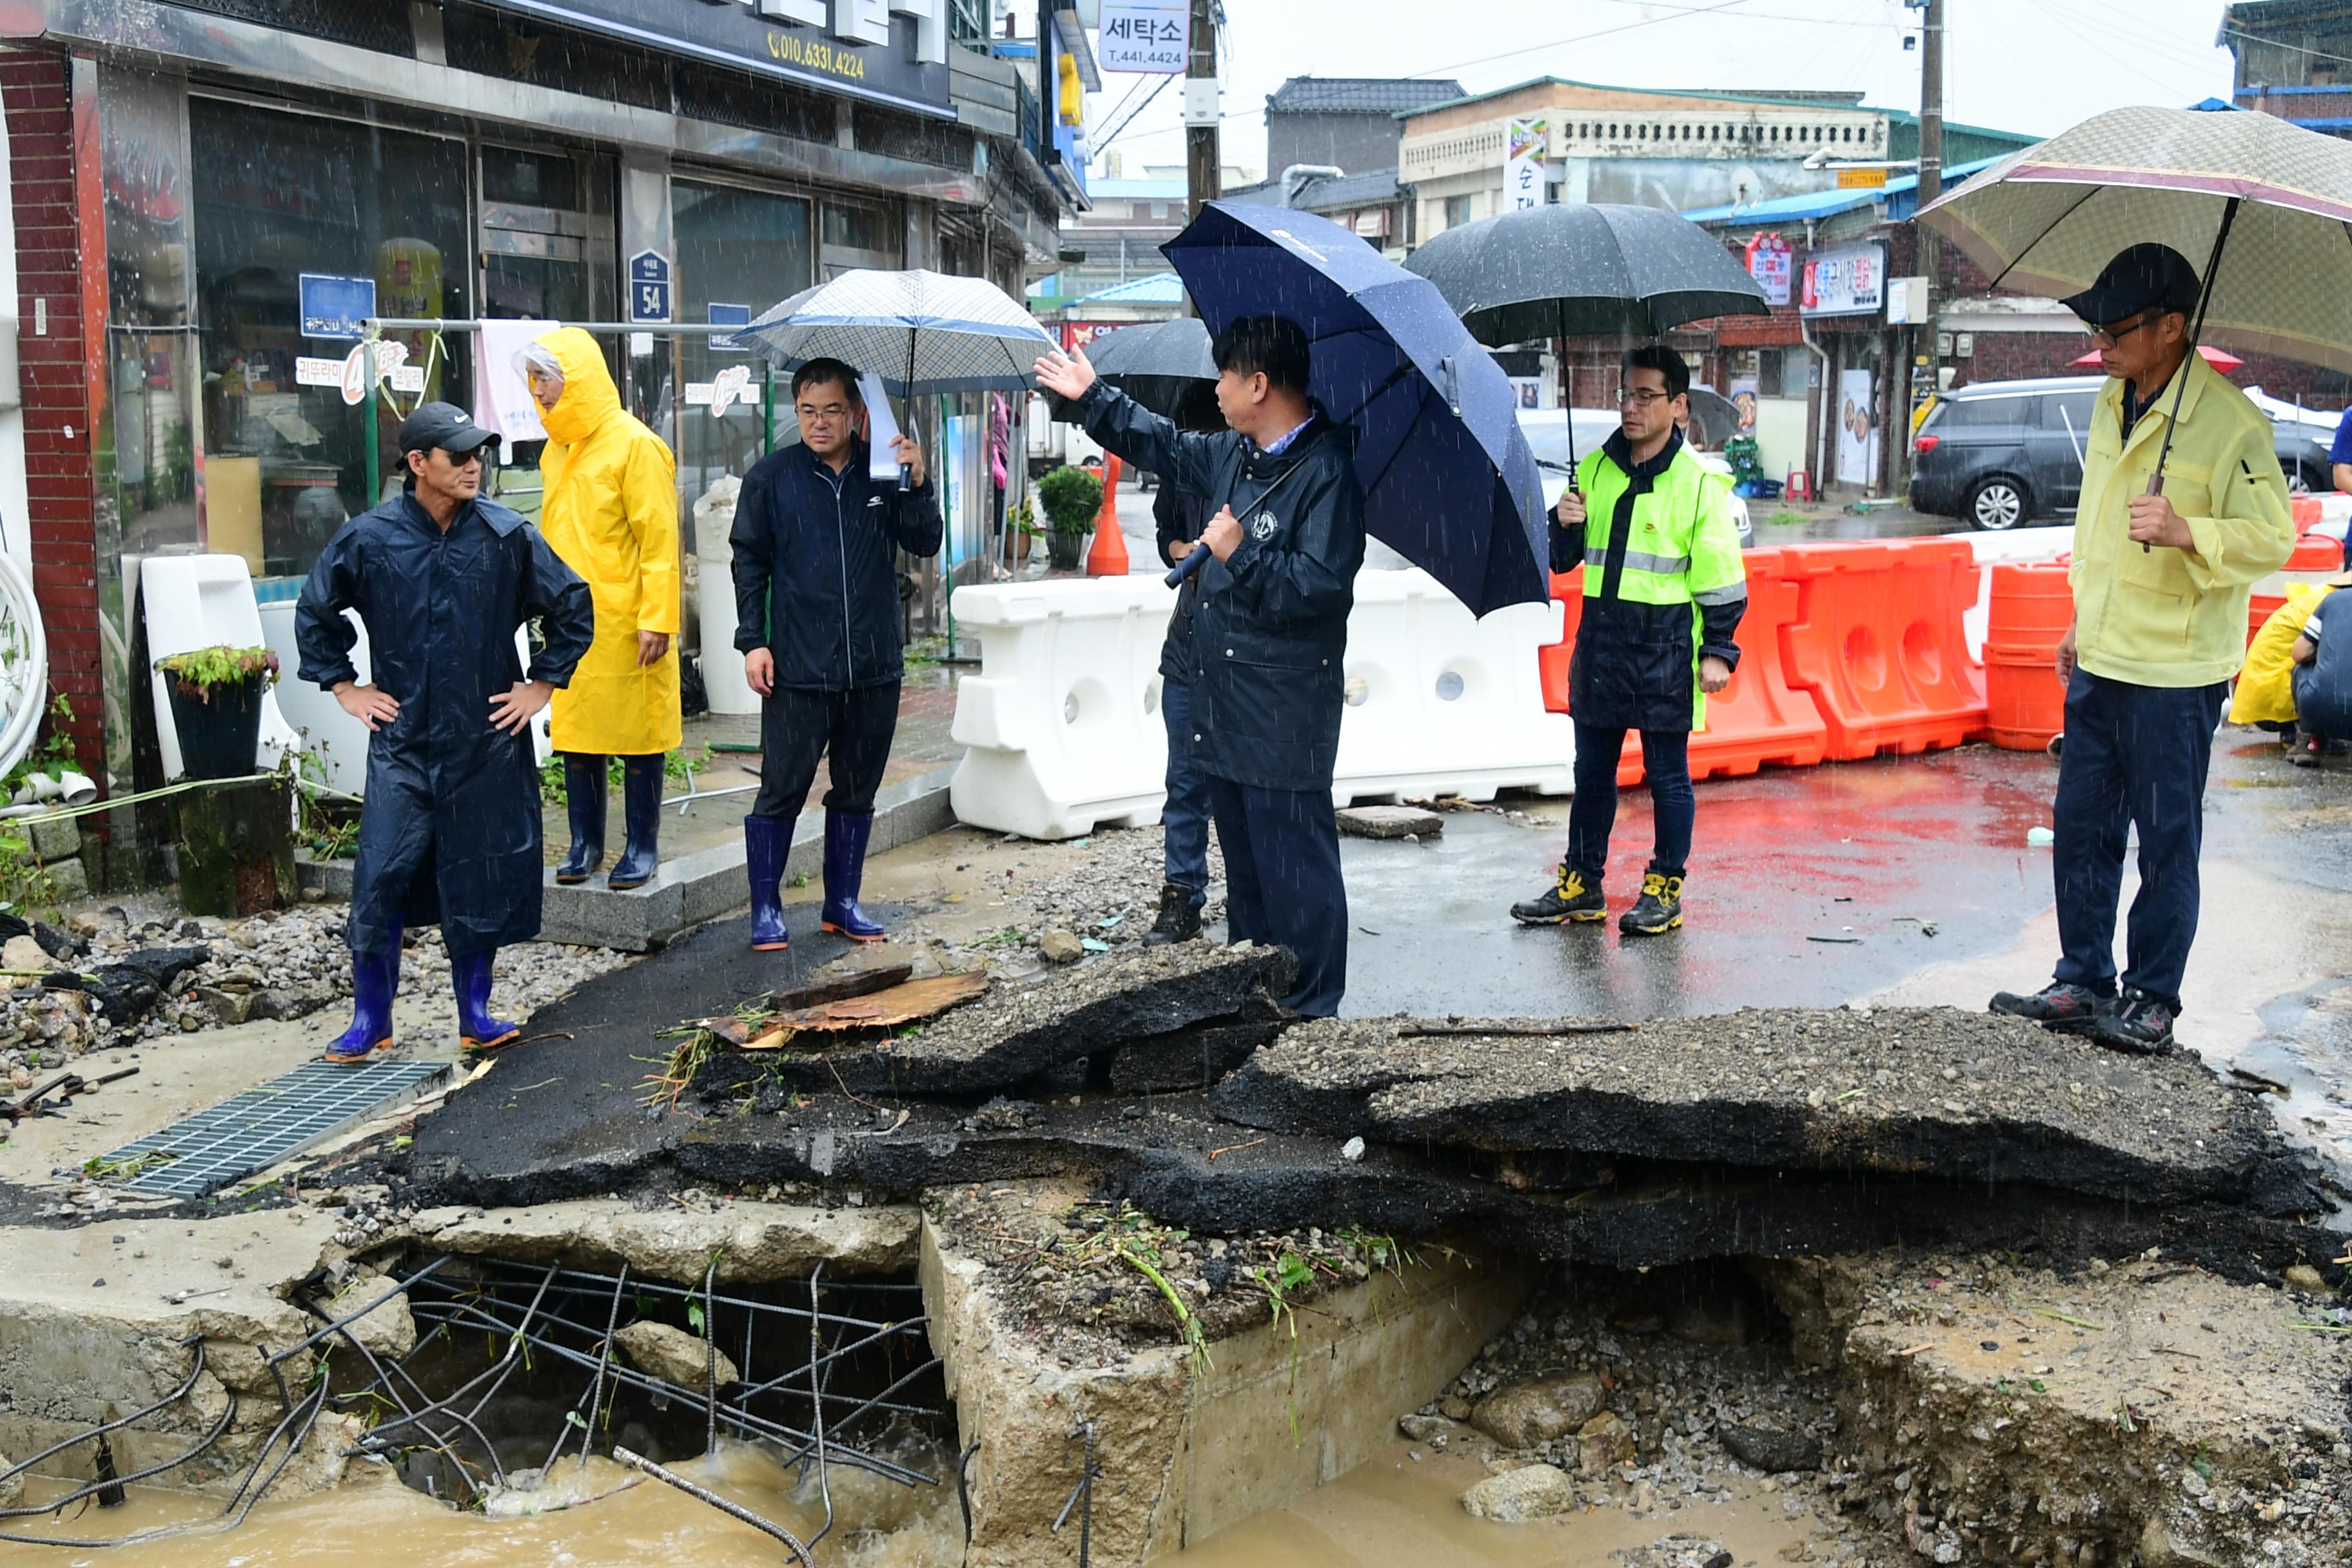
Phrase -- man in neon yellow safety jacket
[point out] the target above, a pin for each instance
(1664, 587)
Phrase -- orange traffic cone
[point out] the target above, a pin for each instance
(1108, 558)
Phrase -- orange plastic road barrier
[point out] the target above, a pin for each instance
(1552, 660)
(2304, 510)
(1108, 556)
(1877, 641)
(2315, 552)
(2260, 607)
(2028, 614)
(1759, 718)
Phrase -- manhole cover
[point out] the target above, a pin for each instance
(264, 1125)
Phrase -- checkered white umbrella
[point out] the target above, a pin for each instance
(920, 332)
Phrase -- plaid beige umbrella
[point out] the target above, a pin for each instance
(2045, 220)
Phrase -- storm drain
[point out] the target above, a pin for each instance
(264, 1125)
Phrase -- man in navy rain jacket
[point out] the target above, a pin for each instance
(451, 832)
(817, 608)
(1271, 631)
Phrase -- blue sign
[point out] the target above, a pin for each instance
(729, 316)
(648, 287)
(336, 307)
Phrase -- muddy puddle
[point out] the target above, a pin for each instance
(1403, 1506)
(622, 1519)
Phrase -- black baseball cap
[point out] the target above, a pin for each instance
(2142, 277)
(442, 425)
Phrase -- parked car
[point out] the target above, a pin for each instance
(2003, 453)
(1546, 432)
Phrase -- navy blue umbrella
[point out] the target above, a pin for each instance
(1448, 480)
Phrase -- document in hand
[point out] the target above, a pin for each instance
(882, 429)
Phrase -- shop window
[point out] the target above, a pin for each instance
(277, 196)
(385, 28)
(745, 248)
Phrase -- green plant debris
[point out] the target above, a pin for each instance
(99, 1167)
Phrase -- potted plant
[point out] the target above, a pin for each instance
(217, 707)
(1071, 497)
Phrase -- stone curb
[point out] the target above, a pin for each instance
(708, 884)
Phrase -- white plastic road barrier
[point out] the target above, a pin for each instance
(2017, 546)
(1061, 727)
(722, 666)
(333, 737)
(1441, 703)
(204, 601)
(2335, 514)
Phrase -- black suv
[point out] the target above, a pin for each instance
(2003, 453)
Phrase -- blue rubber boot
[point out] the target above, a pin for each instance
(767, 840)
(469, 977)
(845, 833)
(584, 788)
(375, 980)
(641, 793)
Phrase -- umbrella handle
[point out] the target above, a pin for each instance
(1189, 565)
(905, 477)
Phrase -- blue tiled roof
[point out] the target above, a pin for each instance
(1159, 289)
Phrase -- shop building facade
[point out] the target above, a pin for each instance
(205, 195)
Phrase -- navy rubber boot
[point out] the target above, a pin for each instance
(469, 977)
(375, 980)
(584, 801)
(767, 840)
(845, 833)
(641, 793)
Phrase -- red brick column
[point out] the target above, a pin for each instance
(54, 191)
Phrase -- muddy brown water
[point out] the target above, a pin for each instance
(1395, 1509)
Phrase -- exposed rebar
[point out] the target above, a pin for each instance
(704, 1494)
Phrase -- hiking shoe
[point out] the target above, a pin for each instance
(1180, 918)
(2135, 1024)
(1658, 911)
(2307, 752)
(1568, 898)
(2070, 1009)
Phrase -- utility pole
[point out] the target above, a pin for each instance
(1202, 156)
(1926, 381)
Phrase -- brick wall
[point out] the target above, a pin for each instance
(51, 192)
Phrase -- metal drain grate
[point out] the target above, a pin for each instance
(264, 1125)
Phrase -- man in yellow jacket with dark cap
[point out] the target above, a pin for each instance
(2161, 578)
(609, 510)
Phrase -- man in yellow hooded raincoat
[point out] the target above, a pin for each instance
(609, 510)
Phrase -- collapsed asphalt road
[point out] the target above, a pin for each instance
(1780, 1134)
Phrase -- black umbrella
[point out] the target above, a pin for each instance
(1578, 270)
(1161, 366)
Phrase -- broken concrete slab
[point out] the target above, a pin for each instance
(1909, 1092)
(676, 1357)
(2146, 1408)
(1019, 1030)
(1390, 822)
(753, 1242)
(1185, 1446)
(1198, 1056)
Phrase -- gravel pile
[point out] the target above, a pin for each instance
(283, 965)
(1113, 895)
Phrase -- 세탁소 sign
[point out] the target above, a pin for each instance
(1144, 36)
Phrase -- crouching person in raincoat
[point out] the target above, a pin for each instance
(441, 578)
(609, 510)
